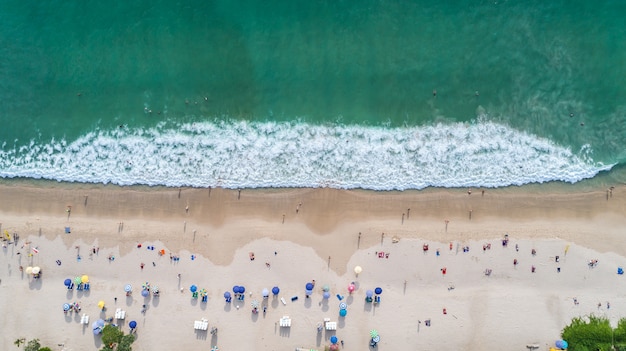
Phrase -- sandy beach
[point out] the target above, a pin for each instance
(301, 235)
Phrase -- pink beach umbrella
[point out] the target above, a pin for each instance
(351, 288)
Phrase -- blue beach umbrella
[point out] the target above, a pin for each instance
(193, 288)
(66, 307)
(68, 282)
(333, 339)
(242, 289)
(343, 312)
(275, 290)
(369, 293)
(227, 295)
(132, 324)
(128, 288)
(343, 306)
(145, 293)
(236, 289)
(309, 286)
(326, 295)
(378, 291)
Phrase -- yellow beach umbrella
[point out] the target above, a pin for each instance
(29, 270)
(36, 270)
(101, 304)
(358, 270)
(84, 279)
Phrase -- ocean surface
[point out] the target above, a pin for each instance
(373, 94)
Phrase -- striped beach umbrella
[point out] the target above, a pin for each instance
(376, 339)
(128, 288)
(343, 306)
(66, 307)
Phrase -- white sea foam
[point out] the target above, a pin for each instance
(251, 155)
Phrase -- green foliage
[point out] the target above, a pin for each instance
(126, 342)
(111, 335)
(32, 345)
(586, 335)
(114, 339)
(45, 349)
(19, 342)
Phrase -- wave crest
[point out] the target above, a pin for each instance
(268, 154)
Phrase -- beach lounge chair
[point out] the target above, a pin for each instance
(330, 325)
(282, 299)
(119, 314)
(79, 287)
(205, 324)
(87, 286)
(71, 286)
(84, 319)
(285, 322)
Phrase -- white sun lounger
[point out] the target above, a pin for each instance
(202, 324)
(331, 325)
(84, 319)
(282, 299)
(285, 322)
(119, 314)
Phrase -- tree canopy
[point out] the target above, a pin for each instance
(595, 334)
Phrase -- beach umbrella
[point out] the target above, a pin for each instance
(333, 339)
(67, 282)
(309, 286)
(378, 291)
(242, 289)
(203, 292)
(36, 270)
(66, 307)
(561, 344)
(275, 290)
(373, 333)
(351, 288)
(29, 270)
(376, 339)
(84, 279)
(343, 312)
(326, 295)
(97, 326)
(333, 347)
(214, 348)
(326, 288)
(265, 293)
(254, 304)
(369, 293)
(132, 324)
(145, 293)
(155, 289)
(145, 286)
(101, 304)
(193, 288)
(343, 306)
(358, 270)
(77, 280)
(128, 288)
(236, 289)
(227, 295)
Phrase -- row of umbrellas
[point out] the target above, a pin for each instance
(98, 325)
(78, 280)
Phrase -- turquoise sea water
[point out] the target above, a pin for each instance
(319, 93)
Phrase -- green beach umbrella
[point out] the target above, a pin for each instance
(77, 280)
(373, 333)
